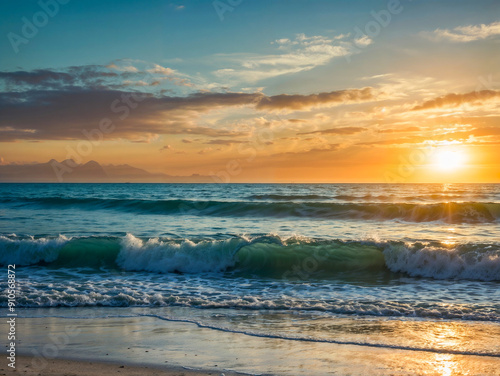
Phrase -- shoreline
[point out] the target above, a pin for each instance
(31, 365)
(90, 342)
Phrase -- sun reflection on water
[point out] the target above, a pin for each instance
(446, 336)
(445, 364)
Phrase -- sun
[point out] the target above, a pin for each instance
(449, 160)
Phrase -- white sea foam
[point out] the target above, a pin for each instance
(268, 255)
(459, 262)
(28, 251)
(155, 255)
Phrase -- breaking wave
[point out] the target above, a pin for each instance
(448, 212)
(267, 255)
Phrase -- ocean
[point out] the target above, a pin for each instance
(408, 267)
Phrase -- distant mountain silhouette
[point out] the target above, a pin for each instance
(91, 172)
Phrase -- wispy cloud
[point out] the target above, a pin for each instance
(67, 114)
(436, 136)
(63, 105)
(123, 68)
(400, 130)
(299, 102)
(337, 131)
(224, 142)
(163, 73)
(469, 33)
(300, 158)
(302, 53)
(88, 75)
(118, 74)
(454, 100)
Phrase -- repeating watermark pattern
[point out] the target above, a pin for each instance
(51, 350)
(487, 83)
(234, 167)
(223, 6)
(30, 27)
(408, 165)
(307, 267)
(122, 108)
(249, 150)
(363, 37)
(40, 357)
(483, 83)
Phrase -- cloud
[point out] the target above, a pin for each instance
(485, 131)
(397, 141)
(463, 34)
(207, 150)
(300, 54)
(162, 70)
(169, 74)
(116, 75)
(166, 147)
(136, 83)
(399, 130)
(89, 75)
(126, 68)
(66, 105)
(69, 103)
(224, 142)
(363, 41)
(306, 157)
(70, 114)
(454, 100)
(299, 102)
(438, 136)
(339, 131)
(318, 150)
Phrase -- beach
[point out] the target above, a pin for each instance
(68, 344)
(64, 367)
(115, 340)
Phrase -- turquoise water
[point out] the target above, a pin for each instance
(290, 261)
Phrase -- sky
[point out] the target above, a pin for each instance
(255, 90)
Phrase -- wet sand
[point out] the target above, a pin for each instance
(26, 365)
(102, 340)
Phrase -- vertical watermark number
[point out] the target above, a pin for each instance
(11, 315)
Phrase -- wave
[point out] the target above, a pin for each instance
(267, 255)
(30, 250)
(288, 197)
(433, 260)
(175, 291)
(449, 212)
(416, 197)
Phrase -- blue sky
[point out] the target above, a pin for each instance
(98, 32)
